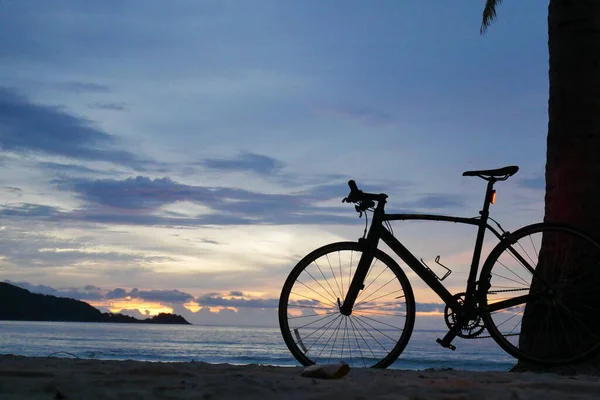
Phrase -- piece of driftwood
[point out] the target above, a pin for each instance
(326, 371)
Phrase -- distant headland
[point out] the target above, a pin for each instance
(17, 304)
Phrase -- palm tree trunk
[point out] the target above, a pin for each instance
(573, 146)
(573, 152)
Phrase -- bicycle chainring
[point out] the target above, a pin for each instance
(472, 329)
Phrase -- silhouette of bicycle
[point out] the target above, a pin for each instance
(351, 302)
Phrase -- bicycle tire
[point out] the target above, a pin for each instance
(367, 331)
(558, 326)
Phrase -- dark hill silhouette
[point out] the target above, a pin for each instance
(17, 304)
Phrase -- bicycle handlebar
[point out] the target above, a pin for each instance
(365, 200)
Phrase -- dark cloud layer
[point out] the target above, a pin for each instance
(70, 169)
(26, 126)
(138, 201)
(248, 162)
(135, 200)
(89, 292)
(108, 106)
(160, 296)
(81, 87)
(237, 302)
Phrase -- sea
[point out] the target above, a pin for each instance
(221, 344)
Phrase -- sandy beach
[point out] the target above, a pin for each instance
(67, 378)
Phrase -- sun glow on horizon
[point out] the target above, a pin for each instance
(147, 308)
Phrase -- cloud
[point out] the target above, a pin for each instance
(33, 249)
(430, 307)
(70, 169)
(159, 296)
(247, 162)
(117, 293)
(29, 210)
(361, 114)
(162, 296)
(13, 190)
(89, 292)
(139, 200)
(135, 313)
(81, 87)
(108, 106)
(236, 302)
(31, 127)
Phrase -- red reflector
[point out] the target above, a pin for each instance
(493, 197)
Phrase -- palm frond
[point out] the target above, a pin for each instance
(489, 14)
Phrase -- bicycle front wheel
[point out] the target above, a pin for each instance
(543, 302)
(381, 322)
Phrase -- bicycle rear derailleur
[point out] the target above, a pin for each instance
(468, 331)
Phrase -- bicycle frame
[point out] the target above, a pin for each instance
(378, 231)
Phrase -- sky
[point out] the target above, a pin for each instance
(183, 156)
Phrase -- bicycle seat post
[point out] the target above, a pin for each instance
(489, 193)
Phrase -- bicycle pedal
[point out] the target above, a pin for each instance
(446, 345)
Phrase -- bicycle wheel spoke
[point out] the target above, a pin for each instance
(307, 316)
(376, 331)
(382, 313)
(325, 329)
(509, 279)
(381, 287)
(526, 253)
(356, 331)
(514, 273)
(332, 299)
(379, 322)
(336, 331)
(341, 275)
(376, 305)
(335, 278)
(558, 319)
(370, 334)
(327, 281)
(366, 288)
(350, 268)
(371, 268)
(569, 312)
(314, 322)
(306, 297)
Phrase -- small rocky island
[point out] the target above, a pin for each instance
(17, 304)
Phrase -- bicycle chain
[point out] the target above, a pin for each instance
(507, 290)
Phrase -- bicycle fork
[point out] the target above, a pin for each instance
(360, 275)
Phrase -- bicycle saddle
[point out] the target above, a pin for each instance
(499, 173)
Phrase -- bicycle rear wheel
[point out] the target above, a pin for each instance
(381, 322)
(544, 297)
